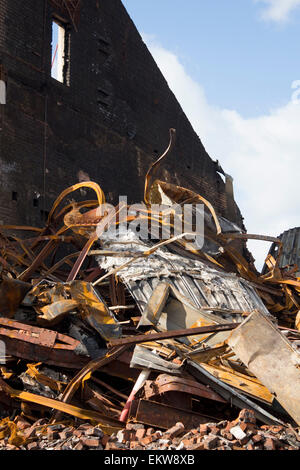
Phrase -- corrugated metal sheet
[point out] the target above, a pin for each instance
(203, 285)
(291, 249)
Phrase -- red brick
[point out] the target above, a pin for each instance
(269, 444)
(52, 435)
(84, 426)
(247, 416)
(276, 429)
(65, 434)
(244, 440)
(135, 445)
(11, 447)
(40, 422)
(150, 431)
(197, 446)
(104, 440)
(22, 423)
(194, 431)
(90, 441)
(33, 446)
(134, 426)
(176, 430)
(112, 446)
(227, 435)
(147, 440)
(257, 438)
(215, 430)
(29, 432)
(140, 434)
(247, 427)
(204, 429)
(211, 442)
(79, 446)
(188, 442)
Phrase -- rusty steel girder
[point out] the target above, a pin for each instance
(39, 344)
(166, 384)
(164, 416)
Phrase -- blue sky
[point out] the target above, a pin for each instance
(241, 60)
(231, 65)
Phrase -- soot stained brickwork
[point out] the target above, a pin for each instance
(110, 121)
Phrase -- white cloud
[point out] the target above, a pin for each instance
(278, 10)
(262, 154)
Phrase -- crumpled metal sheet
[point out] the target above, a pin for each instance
(203, 285)
(142, 358)
(53, 303)
(271, 357)
(168, 310)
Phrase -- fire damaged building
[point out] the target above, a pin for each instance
(118, 331)
(83, 99)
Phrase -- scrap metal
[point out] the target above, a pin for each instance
(109, 325)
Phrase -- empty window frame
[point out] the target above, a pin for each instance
(2, 92)
(60, 61)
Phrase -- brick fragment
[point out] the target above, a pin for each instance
(29, 432)
(52, 435)
(248, 416)
(40, 422)
(215, 430)
(96, 432)
(140, 434)
(176, 430)
(147, 440)
(79, 446)
(150, 431)
(114, 446)
(135, 445)
(104, 440)
(188, 442)
(257, 438)
(226, 434)
(247, 427)
(33, 446)
(134, 426)
(91, 441)
(197, 446)
(21, 423)
(203, 430)
(124, 435)
(210, 443)
(269, 444)
(66, 434)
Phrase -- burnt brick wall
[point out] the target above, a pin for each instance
(110, 123)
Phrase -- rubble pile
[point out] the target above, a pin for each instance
(118, 332)
(240, 434)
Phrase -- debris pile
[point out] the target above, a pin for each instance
(118, 331)
(240, 434)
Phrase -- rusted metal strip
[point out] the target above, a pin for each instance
(165, 384)
(106, 422)
(30, 342)
(164, 416)
(91, 367)
(172, 334)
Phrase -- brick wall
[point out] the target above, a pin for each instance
(110, 123)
